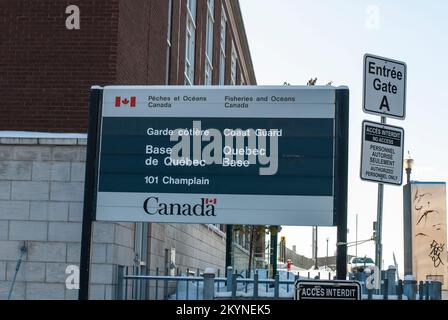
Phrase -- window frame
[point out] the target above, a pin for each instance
(233, 65)
(190, 42)
(222, 47)
(209, 37)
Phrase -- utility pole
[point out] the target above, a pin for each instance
(356, 237)
(96, 95)
(315, 248)
(229, 246)
(379, 221)
(274, 238)
(407, 218)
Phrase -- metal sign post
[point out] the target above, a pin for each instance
(381, 161)
(384, 94)
(379, 219)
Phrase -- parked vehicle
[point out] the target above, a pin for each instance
(358, 264)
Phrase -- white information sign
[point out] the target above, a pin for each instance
(384, 84)
(250, 155)
(382, 153)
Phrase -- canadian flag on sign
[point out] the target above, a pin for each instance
(125, 101)
(210, 201)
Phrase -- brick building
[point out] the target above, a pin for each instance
(47, 70)
(45, 74)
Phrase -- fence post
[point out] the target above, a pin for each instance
(426, 290)
(361, 277)
(165, 286)
(229, 278)
(234, 286)
(437, 290)
(256, 285)
(276, 286)
(391, 277)
(430, 290)
(188, 284)
(369, 294)
(126, 284)
(120, 280)
(420, 290)
(209, 284)
(400, 289)
(147, 284)
(409, 287)
(383, 275)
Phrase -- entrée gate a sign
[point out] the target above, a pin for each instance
(384, 88)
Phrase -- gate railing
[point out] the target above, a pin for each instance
(206, 285)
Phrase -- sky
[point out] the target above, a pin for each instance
(296, 40)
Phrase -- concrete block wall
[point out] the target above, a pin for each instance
(41, 194)
(198, 246)
(240, 259)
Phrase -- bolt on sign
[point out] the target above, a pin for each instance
(384, 87)
(382, 153)
(246, 155)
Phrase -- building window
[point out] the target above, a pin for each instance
(221, 227)
(242, 81)
(233, 63)
(209, 42)
(168, 40)
(190, 42)
(222, 48)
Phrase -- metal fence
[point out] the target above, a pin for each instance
(133, 284)
(390, 288)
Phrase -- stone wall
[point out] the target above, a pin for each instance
(197, 246)
(41, 194)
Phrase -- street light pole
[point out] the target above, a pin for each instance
(408, 164)
(407, 217)
(326, 258)
(316, 264)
